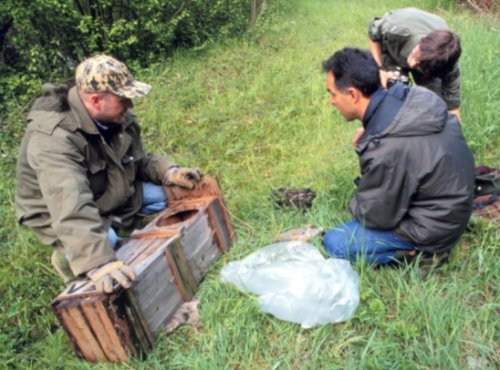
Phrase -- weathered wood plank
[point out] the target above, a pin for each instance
(103, 330)
(203, 256)
(141, 263)
(155, 278)
(179, 267)
(219, 227)
(161, 308)
(133, 249)
(79, 331)
(137, 320)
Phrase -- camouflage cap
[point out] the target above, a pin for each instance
(103, 73)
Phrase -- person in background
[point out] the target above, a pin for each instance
(415, 191)
(412, 41)
(83, 174)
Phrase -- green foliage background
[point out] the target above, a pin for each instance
(254, 111)
(43, 40)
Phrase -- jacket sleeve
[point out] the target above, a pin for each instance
(383, 195)
(153, 167)
(375, 29)
(62, 177)
(450, 88)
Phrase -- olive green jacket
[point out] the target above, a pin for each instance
(70, 183)
(398, 32)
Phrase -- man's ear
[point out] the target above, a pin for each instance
(95, 100)
(354, 93)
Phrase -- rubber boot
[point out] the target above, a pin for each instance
(61, 265)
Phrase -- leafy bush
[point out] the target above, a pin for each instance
(43, 40)
(491, 7)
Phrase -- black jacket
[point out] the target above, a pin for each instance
(417, 174)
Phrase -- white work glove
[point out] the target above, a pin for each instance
(103, 276)
(183, 177)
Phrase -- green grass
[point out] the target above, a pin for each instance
(255, 113)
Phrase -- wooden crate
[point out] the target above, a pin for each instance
(202, 228)
(113, 327)
(170, 256)
(103, 327)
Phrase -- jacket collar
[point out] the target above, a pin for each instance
(82, 116)
(375, 101)
(414, 111)
(384, 106)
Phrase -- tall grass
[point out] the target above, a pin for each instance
(255, 113)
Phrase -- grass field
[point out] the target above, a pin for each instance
(255, 113)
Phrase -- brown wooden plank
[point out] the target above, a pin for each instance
(169, 222)
(225, 219)
(129, 326)
(78, 329)
(62, 316)
(156, 233)
(104, 331)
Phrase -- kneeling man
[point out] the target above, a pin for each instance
(83, 174)
(416, 186)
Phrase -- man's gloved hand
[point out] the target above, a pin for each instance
(104, 275)
(183, 177)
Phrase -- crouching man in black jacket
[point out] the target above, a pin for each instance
(417, 173)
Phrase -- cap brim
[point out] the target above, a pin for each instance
(134, 89)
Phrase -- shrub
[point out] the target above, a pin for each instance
(43, 40)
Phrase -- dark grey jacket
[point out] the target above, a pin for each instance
(417, 175)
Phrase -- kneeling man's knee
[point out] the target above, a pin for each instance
(334, 242)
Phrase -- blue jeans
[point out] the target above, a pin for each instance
(352, 241)
(154, 200)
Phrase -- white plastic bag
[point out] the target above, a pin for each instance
(295, 283)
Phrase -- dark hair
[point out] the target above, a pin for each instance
(353, 67)
(439, 52)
